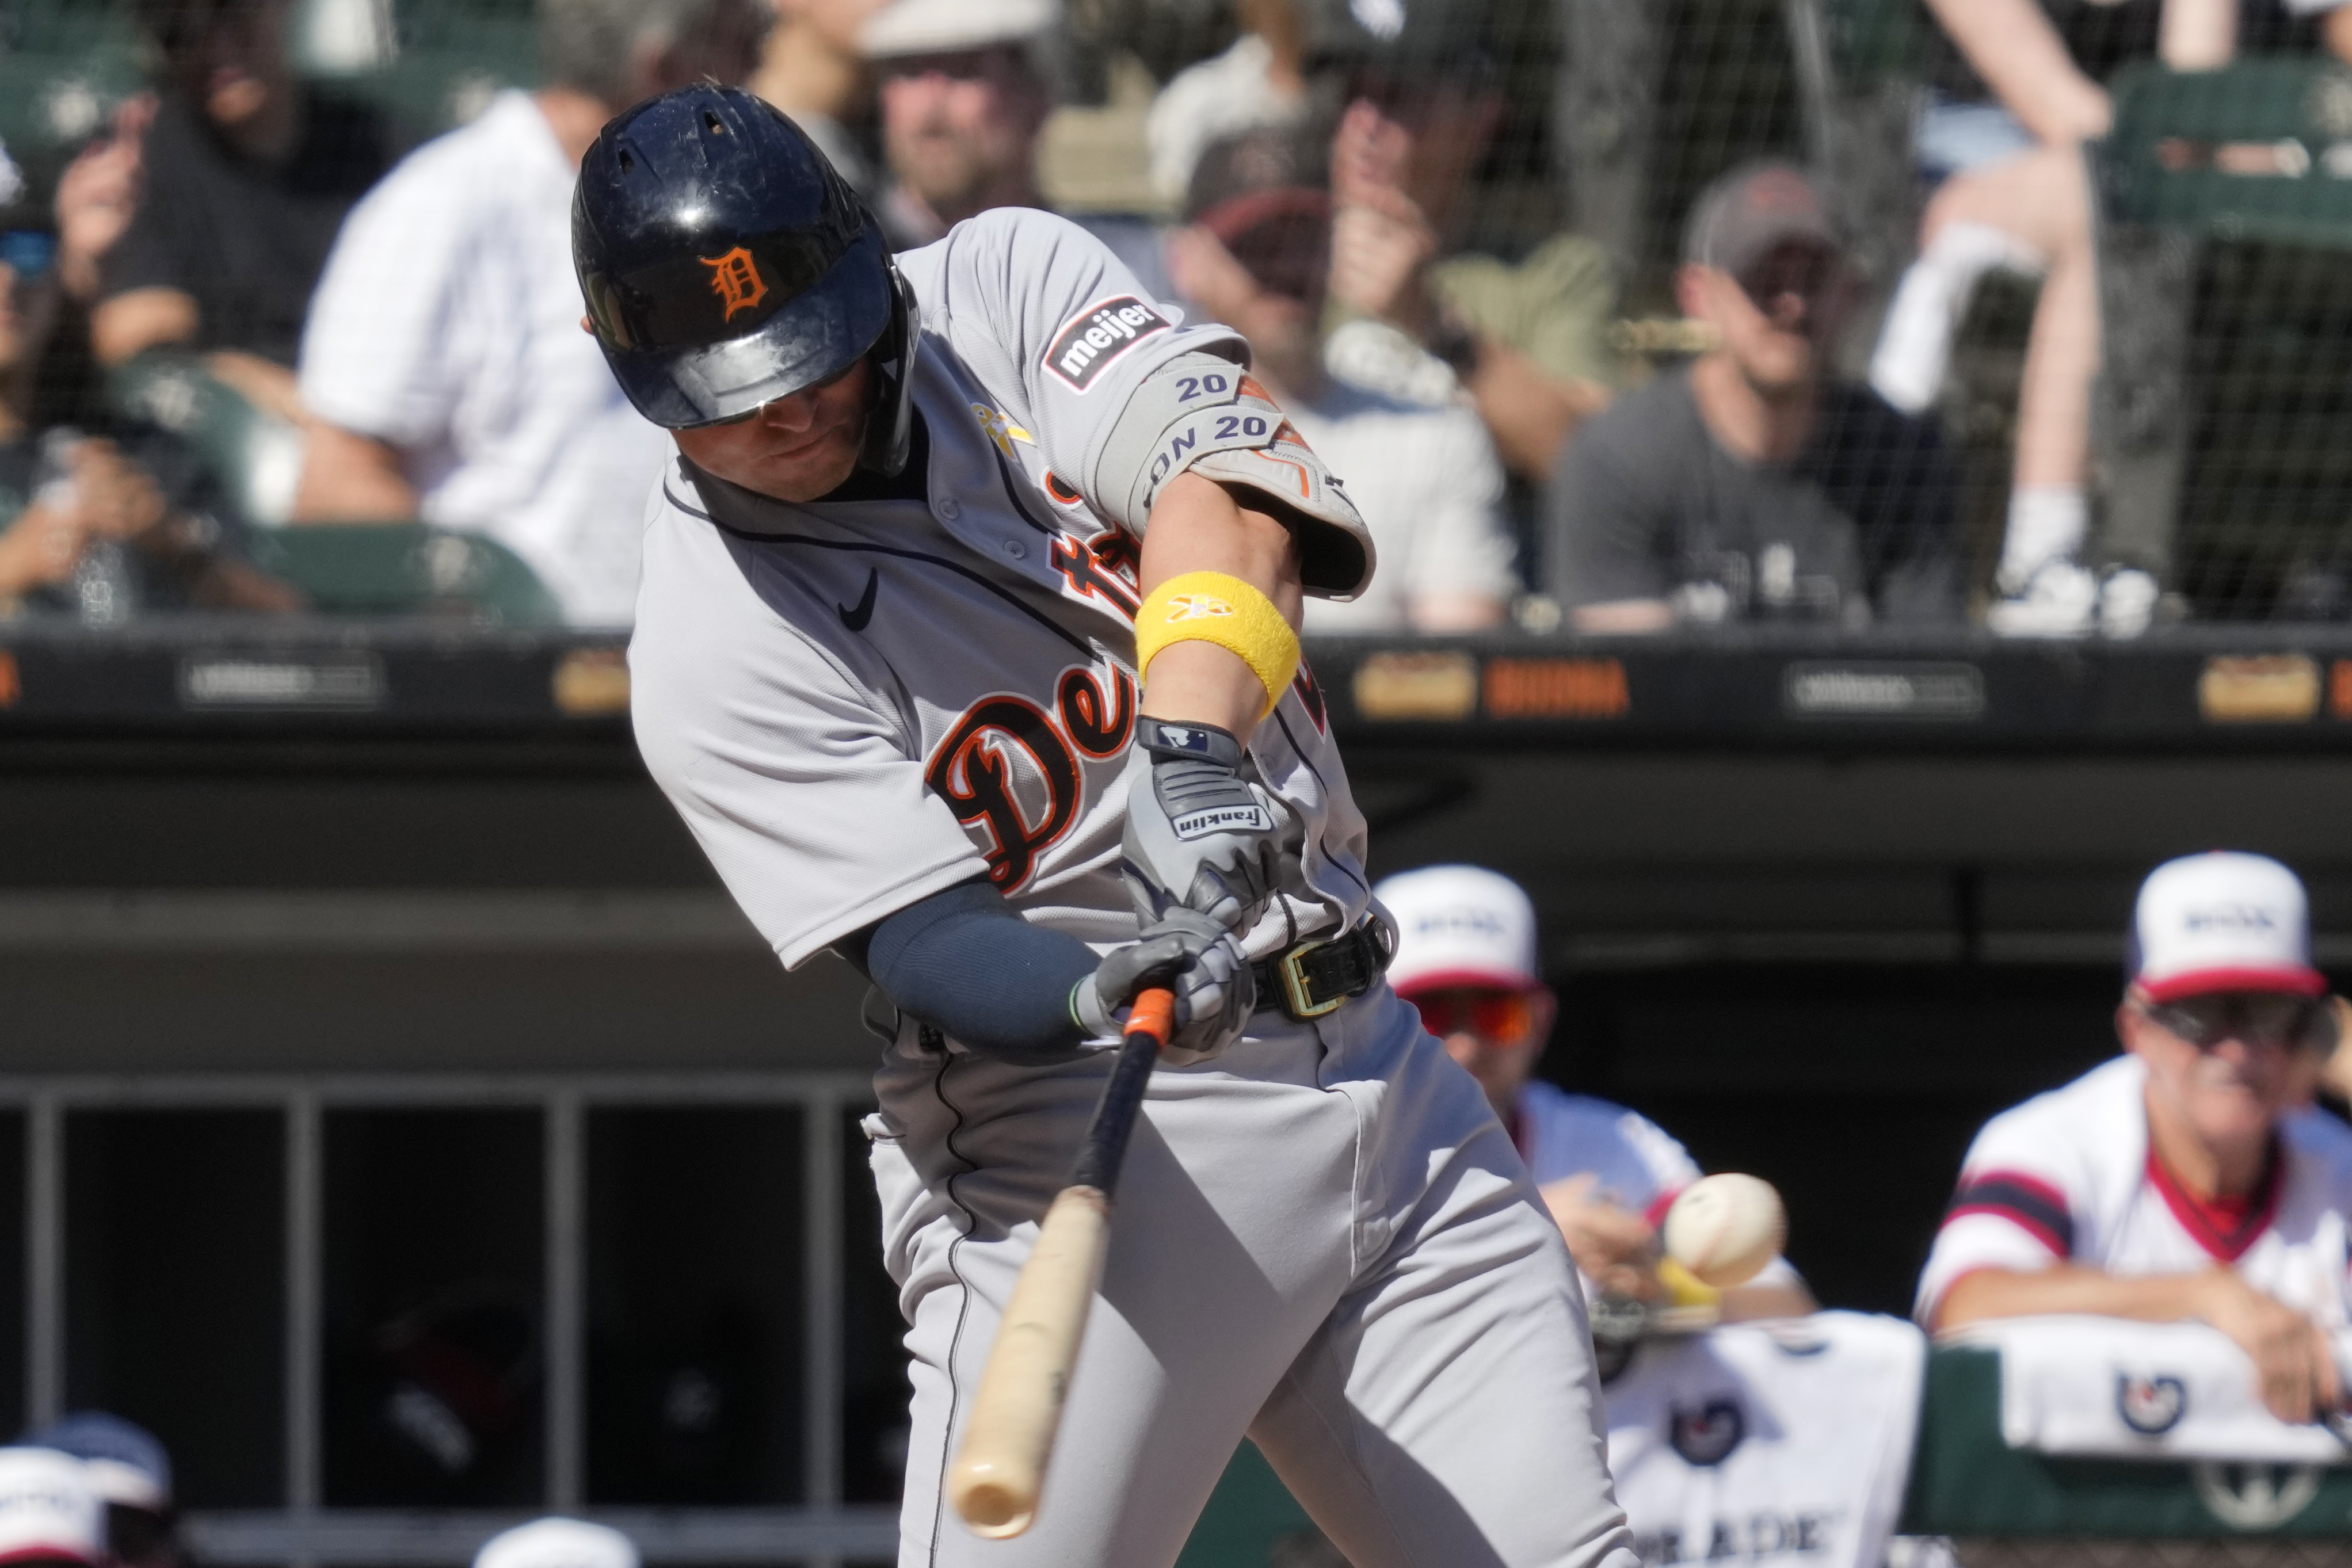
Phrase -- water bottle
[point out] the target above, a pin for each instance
(104, 592)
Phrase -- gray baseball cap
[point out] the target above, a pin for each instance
(1744, 215)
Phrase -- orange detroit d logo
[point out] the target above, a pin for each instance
(736, 280)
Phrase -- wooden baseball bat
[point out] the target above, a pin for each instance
(1000, 1469)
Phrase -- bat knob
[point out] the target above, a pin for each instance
(989, 1504)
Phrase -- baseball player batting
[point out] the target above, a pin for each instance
(966, 649)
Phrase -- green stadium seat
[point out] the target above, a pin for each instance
(2259, 151)
(369, 569)
(405, 568)
(64, 66)
(256, 455)
(433, 87)
(2223, 217)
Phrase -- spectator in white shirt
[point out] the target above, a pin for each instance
(444, 357)
(1254, 253)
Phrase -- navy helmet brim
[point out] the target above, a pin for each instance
(811, 339)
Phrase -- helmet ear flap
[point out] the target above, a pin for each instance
(890, 428)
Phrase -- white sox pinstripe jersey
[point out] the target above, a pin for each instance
(2068, 1175)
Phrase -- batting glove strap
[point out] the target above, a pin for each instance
(1188, 743)
(1194, 956)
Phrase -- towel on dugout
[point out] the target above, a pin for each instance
(2105, 1386)
(1759, 1440)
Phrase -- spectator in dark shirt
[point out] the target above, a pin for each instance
(248, 174)
(1748, 486)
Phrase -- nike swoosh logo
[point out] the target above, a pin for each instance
(855, 620)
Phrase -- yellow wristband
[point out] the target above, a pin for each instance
(1210, 607)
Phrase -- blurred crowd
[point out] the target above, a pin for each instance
(252, 303)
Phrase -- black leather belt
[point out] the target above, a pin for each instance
(1318, 977)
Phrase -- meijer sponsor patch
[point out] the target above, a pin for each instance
(1098, 335)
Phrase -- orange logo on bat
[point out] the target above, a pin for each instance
(736, 280)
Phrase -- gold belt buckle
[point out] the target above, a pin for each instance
(1293, 985)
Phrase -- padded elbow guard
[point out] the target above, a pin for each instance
(1208, 416)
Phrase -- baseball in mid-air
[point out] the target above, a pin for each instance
(1725, 1229)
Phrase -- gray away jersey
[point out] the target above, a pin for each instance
(856, 705)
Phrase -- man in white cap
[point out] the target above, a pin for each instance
(2188, 1179)
(130, 1470)
(965, 97)
(1467, 957)
(48, 1510)
(557, 1542)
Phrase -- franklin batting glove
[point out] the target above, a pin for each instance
(1199, 835)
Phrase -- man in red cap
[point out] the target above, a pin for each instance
(2188, 1180)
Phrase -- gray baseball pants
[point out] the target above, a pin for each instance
(1324, 1240)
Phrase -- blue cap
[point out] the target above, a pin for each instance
(125, 1462)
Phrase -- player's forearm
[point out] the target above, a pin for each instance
(1991, 1293)
(1197, 526)
(2021, 58)
(964, 962)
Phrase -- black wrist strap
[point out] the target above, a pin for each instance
(1189, 742)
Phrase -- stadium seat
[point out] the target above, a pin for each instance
(64, 65)
(257, 455)
(368, 569)
(405, 568)
(2223, 210)
(438, 84)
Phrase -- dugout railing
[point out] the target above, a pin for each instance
(112, 1312)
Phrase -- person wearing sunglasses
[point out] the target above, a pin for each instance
(1467, 957)
(1253, 253)
(106, 523)
(2190, 1179)
(1752, 485)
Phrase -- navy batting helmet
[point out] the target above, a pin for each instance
(726, 264)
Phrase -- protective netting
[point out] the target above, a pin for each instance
(2088, 312)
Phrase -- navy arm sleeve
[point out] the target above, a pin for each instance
(964, 962)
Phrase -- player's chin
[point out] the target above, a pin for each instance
(817, 468)
(2236, 1109)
